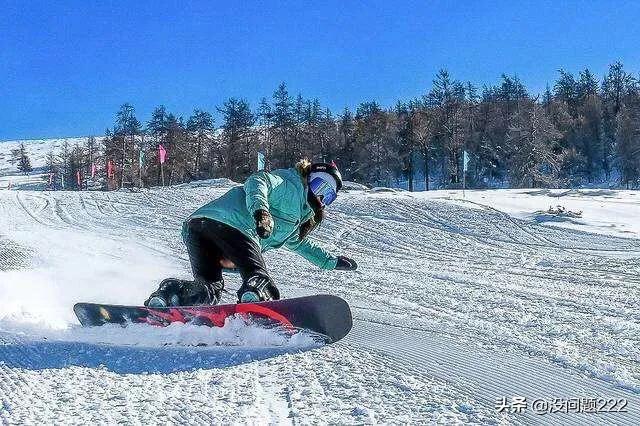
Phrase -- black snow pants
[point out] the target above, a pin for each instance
(210, 242)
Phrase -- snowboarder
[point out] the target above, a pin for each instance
(271, 210)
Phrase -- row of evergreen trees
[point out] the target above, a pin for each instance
(580, 131)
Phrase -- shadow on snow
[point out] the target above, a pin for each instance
(40, 355)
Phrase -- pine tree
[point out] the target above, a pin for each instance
(446, 98)
(239, 138)
(587, 84)
(264, 119)
(404, 134)
(282, 127)
(125, 132)
(21, 158)
(65, 162)
(346, 144)
(423, 127)
(532, 138)
(617, 85)
(566, 90)
(200, 126)
(588, 127)
(157, 125)
(628, 146)
(178, 163)
(53, 170)
(372, 144)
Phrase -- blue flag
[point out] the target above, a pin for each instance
(465, 161)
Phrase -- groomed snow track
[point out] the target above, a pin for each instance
(455, 304)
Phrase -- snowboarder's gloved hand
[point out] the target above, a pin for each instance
(264, 223)
(346, 264)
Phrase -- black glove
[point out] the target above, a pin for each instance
(264, 223)
(346, 264)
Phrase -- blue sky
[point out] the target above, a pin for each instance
(65, 67)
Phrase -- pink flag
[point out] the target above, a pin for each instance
(78, 178)
(93, 170)
(110, 169)
(162, 153)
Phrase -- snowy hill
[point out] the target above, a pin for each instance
(456, 305)
(37, 150)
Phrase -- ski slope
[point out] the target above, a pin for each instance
(457, 303)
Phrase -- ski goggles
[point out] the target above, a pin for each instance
(323, 190)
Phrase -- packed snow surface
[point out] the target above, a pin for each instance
(457, 303)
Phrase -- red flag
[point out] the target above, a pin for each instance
(93, 170)
(162, 153)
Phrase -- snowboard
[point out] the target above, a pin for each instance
(326, 315)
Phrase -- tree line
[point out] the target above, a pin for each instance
(580, 131)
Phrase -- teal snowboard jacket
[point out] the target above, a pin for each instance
(283, 194)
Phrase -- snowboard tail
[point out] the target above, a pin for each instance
(323, 314)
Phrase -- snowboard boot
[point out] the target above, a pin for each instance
(175, 292)
(258, 289)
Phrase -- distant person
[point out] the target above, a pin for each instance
(271, 210)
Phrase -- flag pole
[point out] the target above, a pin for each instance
(162, 156)
(464, 183)
(140, 161)
(465, 162)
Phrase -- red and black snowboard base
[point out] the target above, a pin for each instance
(323, 314)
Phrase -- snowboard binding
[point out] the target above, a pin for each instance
(257, 289)
(175, 292)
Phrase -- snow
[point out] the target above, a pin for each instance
(604, 211)
(457, 302)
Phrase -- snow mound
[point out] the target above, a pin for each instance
(208, 183)
(348, 185)
(383, 189)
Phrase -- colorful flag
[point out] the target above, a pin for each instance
(93, 170)
(162, 154)
(79, 179)
(260, 161)
(110, 171)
